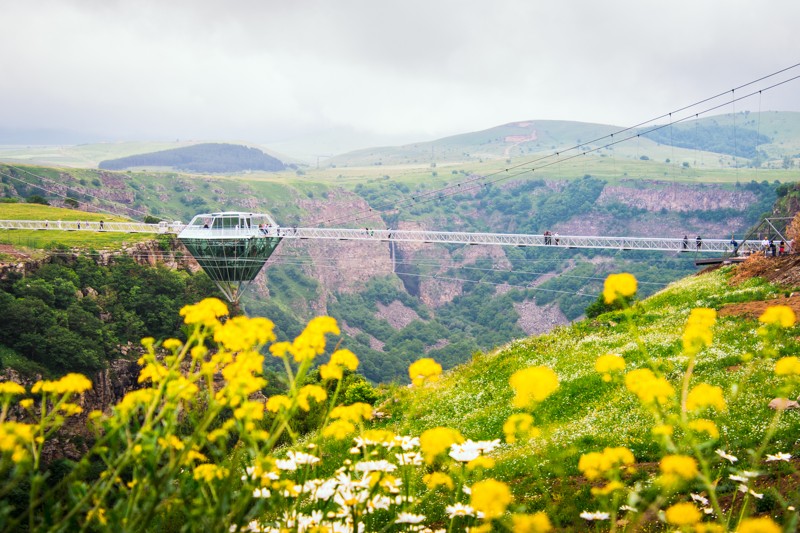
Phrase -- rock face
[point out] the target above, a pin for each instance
(535, 320)
(676, 197)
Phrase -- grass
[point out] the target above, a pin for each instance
(586, 414)
(54, 239)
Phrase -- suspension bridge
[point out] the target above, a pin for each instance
(232, 247)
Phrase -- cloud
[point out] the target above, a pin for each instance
(267, 70)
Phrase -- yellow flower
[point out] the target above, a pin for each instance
(98, 514)
(209, 472)
(27, 403)
(788, 366)
(532, 385)
(315, 392)
(520, 425)
(311, 342)
(683, 514)
(708, 527)
(206, 312)
(278, 402)
(171, 442)
(378, 436)
(9, 388)
(698, 329)
(243, 333)
(649, 388)
(781, 315)
(608, 489)
(759, 525)
(481, 462)
(617, 285)
(437, 479)
(491, 497)
(705, 426)
(171, 344)
(677, 468)
(355, 413)
(340, 360)
(249, 410)
(338, 429)
(594, 465)
(531, 523)
(70, 409)
(435, 441)
(705, 395)
(15, 440)
(664, 430)
(609, 363)
(424, 370)
(69, 384)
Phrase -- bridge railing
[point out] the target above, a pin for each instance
(386, 235)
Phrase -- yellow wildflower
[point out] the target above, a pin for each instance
(98, 514)
(134, 399)
(532, 384)
(353, 413)
(339, 429)
(181, 389)
(278, 402)
(759, 525)
(787, 366)
(698, 329)
(206, 312)
(609, 363)
(608, 489)
(531, 523)
(683, 514)
(437, 479)
(649, 388)
(423, 371)
(708, 527)
(15, 439)
(435, 441)
(781, 315)
(705, 426)
(9, 388)
(664, 430)
(249, 410)
(171, 344)
(378, 436)
(27, 403)
(520, 425)
(481, 462)
(70, 409)
(617, 285)
(280, 349)
(491, 497)
(171, 442)
(209, 472)
(594, 465)
(311, 342)
(677, 468)
(315, 392)
(69, 384)
(705, 395)
(340, 360)
(243, 333)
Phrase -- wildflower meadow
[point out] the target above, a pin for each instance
(658, 420)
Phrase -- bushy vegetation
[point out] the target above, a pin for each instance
(73, 314)
(206, 157)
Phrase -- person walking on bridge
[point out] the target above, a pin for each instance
(699, 242)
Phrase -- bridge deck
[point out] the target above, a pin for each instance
(384, 235)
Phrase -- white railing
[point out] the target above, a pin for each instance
(416, 236)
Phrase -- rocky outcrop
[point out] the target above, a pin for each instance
(660, 195)
(535, 320)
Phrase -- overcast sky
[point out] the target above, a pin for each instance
(270, 71)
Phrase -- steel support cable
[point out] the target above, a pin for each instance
(450, 191)
(429, 195)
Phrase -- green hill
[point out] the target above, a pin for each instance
(205, 157)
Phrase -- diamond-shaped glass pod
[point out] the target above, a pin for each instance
(232, 247)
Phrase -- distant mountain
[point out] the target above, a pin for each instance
(207, 157)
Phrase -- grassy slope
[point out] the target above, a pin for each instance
(50, 239)
(587, 414)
